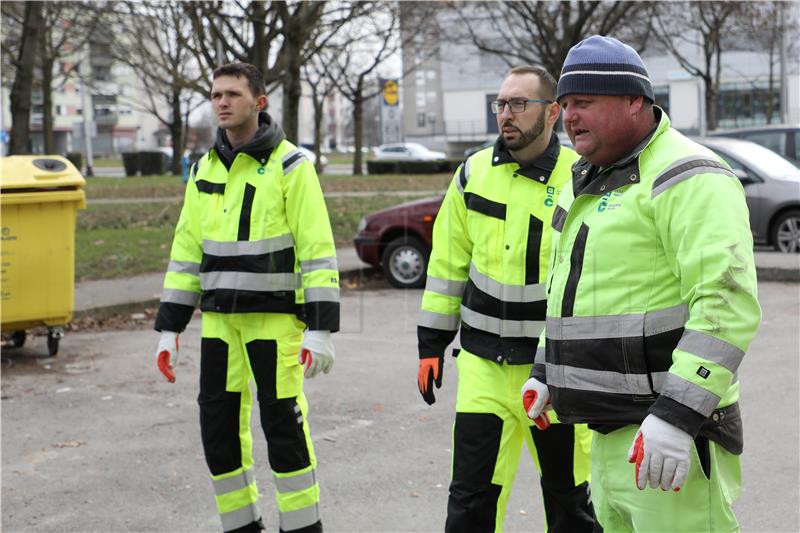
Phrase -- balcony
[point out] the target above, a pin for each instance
(109, 118)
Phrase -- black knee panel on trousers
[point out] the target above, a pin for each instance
(263, 355)
(472, 505)
(219, 410)
(282, 422)
(568, 507)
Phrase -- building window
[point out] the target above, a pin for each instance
(661, 94)
(420, 120)
(746, 104)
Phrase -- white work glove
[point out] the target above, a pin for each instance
(661, 453)
(316, 353)
(167, 354)
(536, 401)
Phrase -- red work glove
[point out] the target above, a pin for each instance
(431, 370)
(536, 402)
(167, 354)
(661, 453)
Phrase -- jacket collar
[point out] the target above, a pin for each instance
(590, 179)
(539, 169)
(268, 136)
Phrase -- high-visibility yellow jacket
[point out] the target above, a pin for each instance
(488, 266)
(652, 299)
(253, 236)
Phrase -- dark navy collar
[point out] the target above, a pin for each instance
(539, 168)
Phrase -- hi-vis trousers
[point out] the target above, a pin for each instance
(263, 347)
(487, 441)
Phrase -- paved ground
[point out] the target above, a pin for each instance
(95, 441)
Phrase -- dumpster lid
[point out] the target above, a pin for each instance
(38, 172)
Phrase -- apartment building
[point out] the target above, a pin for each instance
(445, 98)
(117, 124)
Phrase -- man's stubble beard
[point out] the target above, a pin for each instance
(527, 137)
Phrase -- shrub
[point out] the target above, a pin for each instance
(76, 158)
(412, 167)
(151, 163)
(130, 160)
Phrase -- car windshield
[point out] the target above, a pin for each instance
(761, 159)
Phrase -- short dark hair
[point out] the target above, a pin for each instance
(546, 80)
(254, 78)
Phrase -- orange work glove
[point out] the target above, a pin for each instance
(431, 370)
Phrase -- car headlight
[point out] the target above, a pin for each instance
(362, 224)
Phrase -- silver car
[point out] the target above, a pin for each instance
(772, 186)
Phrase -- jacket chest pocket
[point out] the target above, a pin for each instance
(487, 232)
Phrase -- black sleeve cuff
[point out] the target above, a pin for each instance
(322, 316)
(678, 415)
(433, 342)
(173, 317)
(538, 372)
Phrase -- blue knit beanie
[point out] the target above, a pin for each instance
(603, 65)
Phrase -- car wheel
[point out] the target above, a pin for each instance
(786, 232)
(405, 262)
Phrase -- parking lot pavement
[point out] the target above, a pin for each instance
(94, 440)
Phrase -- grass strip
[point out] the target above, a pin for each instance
(120, 240)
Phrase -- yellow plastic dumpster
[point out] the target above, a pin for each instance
(39, 199)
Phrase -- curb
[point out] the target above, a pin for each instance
(778, 274)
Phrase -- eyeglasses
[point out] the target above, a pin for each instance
(517, 105)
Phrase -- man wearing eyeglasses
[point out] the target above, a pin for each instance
(487, 274)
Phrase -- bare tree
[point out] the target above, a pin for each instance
(317, 77)
(277, 37)
(27, 17)
(701, 26)
(541, 33)
(769, 28)
(152, 39)
(354, 63)
(66, 30)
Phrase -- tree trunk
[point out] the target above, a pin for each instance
(292, 90)
(176, 131)
(47, 103)
(771, 87)
(20, 97)
(318, 110)
(358, 130)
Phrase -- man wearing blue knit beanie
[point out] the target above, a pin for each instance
(651, 303)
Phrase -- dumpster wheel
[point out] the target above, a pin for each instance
(53, 337)
(17, 338)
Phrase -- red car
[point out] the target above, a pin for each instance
(399, 240)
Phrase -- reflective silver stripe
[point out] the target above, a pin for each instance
(230, 484)
(659, 378)
(570, 377)
(447, 287)
(177, 296)
(250, 281)
(294, 163)
(660, 184)
(539, 358)
(323, 263)
(239, 517)
(321, 294)
(507, 293)
(295, 483)
(606, 73)
(184, 267)
(438, 320)
(234, 248)
(300, 518)
(504, 328)
(711, 348)
(667, 319)
(691, 395)
(614, 326)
